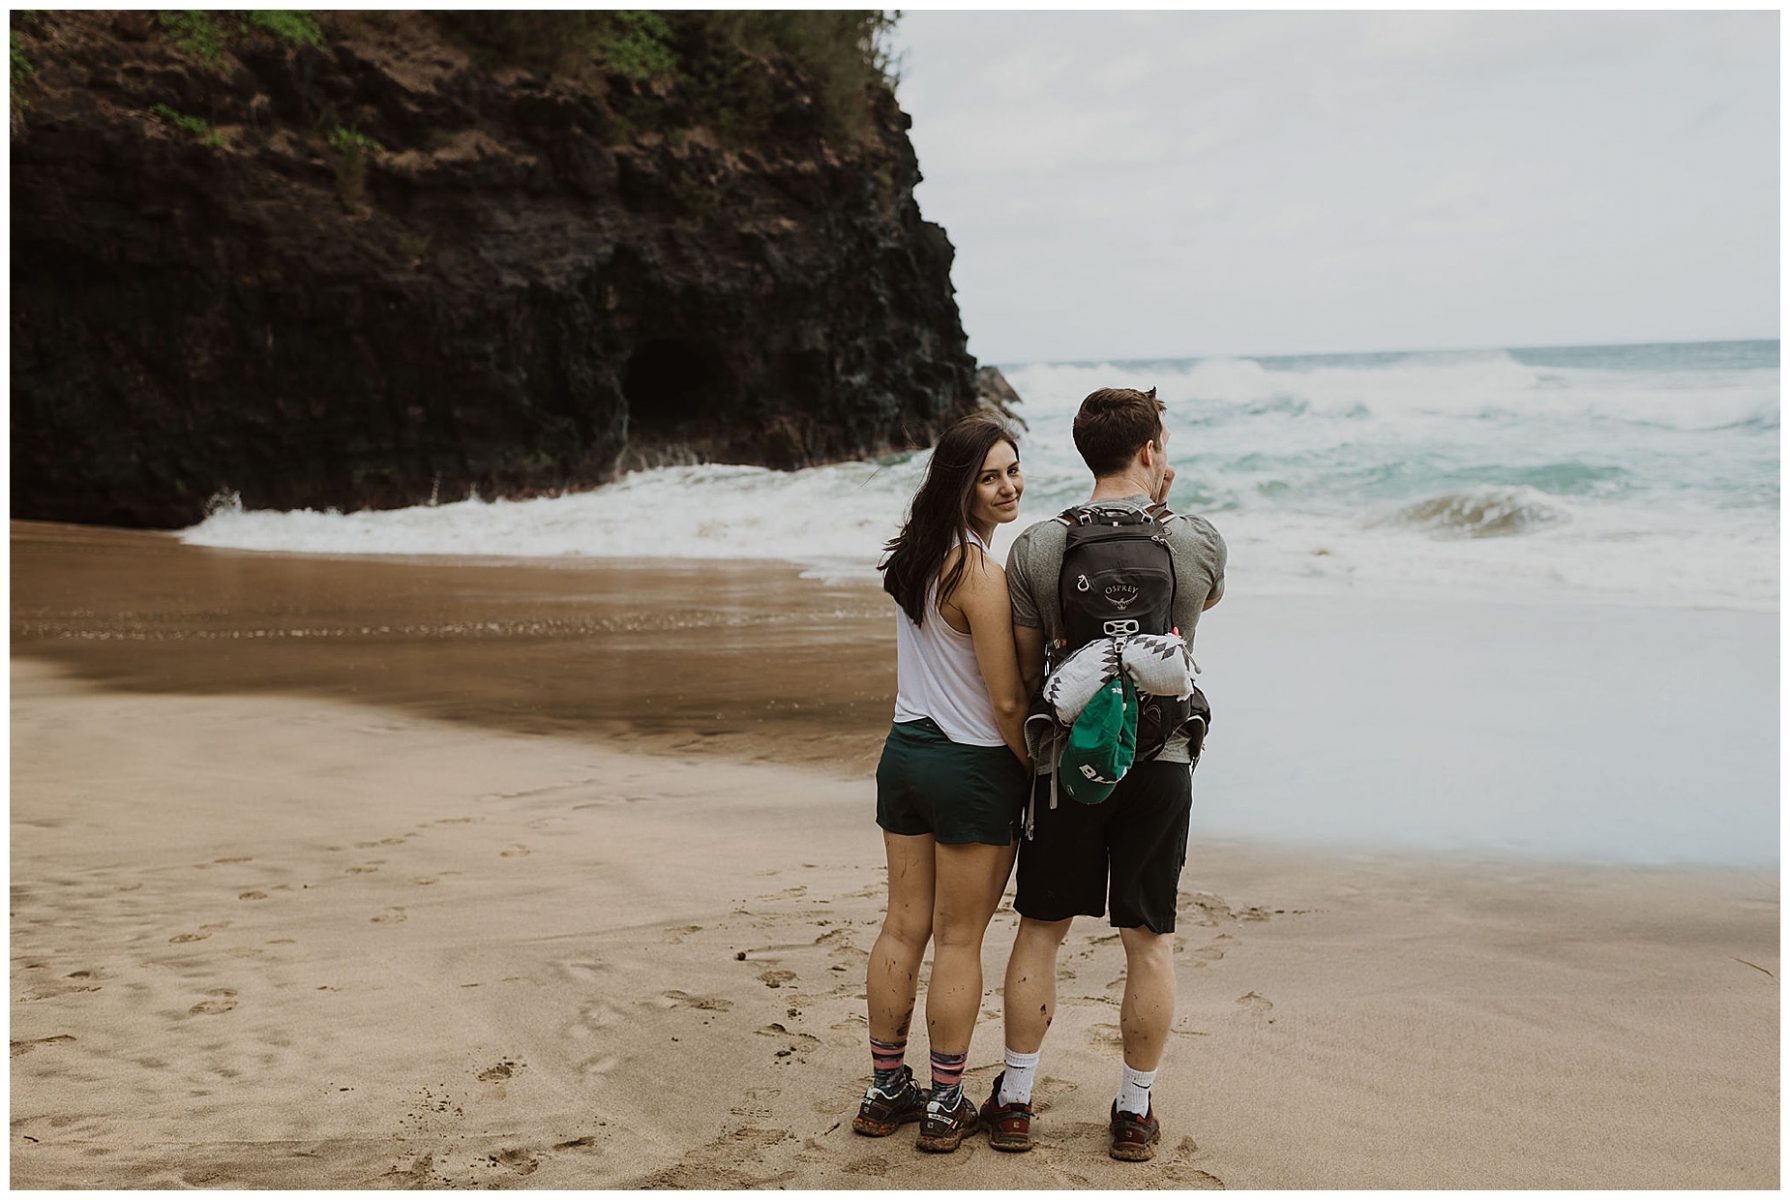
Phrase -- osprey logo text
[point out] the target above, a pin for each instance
(1121, 595)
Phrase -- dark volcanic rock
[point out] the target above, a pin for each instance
(513, 289)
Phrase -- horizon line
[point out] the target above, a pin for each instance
(1148, 358)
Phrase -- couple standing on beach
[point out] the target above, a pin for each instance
(959, 794)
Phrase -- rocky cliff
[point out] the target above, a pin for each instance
(364, 259)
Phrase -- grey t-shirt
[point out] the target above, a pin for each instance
(1036, 560)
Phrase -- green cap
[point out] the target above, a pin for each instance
(1101, 745)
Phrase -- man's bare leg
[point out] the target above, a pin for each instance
(1148, 1008)
(1029, 1002)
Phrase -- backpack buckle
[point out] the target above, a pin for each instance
(1120, 628)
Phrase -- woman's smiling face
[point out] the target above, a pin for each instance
(995, 500)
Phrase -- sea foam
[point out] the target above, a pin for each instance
(1632, 475)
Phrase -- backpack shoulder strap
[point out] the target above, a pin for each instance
(1162, 514)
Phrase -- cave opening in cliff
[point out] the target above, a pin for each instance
(674, 387)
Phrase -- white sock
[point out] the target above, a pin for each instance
(1134, 1090)
(1016, 1081)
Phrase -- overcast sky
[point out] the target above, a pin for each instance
(1126, 185)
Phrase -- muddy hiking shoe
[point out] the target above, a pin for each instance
(1134, 1137)
(883, 1113)
(942, 1130)
(1009, 1125)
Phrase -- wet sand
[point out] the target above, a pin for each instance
(741, 659)
(337, 873)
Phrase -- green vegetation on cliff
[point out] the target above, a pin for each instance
(717, 68)
(21, 71)
(198, 127)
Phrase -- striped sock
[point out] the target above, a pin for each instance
(885, 1061)
(947, 1077)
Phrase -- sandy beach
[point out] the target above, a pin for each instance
(336, 873)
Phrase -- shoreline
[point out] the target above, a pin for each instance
(1502, 730)
(349, 946)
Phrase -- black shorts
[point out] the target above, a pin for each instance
(1127, 851)
(927, 783)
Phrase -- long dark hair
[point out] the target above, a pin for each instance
(939, 516)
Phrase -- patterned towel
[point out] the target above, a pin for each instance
(1079, 677)
(1160, 664)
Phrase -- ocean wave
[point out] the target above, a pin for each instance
(1458, 460)
(1479, 513)
(1479, 386)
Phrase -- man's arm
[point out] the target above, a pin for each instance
(1221, 556)
(1028, 632)
(1029, 641)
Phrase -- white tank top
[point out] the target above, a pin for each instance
(937, 676)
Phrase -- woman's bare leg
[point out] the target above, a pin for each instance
(893, 972)
(971, 879)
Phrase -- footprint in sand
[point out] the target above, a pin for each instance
(425, 880)
(253, 896)
(1190, 1178)
(233, 860)
(676, 935)
(876, 1166)
(519, 1161)
(505, 1069)
(391, 916)
(517, 851)
(1209, 953)
(222, 1001)
(1106, 1035)
(365, 869)
(593, 1018)
(27, 1046)
(187, 937)
(686, 1000)
(601, 1064)
(758, 1103)
(1255, 1003)
(776, 979)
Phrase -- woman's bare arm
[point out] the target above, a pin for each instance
(983, 601)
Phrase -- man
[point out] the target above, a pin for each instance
(1128, 850)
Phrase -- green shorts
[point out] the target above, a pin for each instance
(927, 783)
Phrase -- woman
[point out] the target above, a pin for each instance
(952, 779)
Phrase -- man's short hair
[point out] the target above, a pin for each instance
(1113, 425)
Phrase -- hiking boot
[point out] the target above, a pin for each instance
(1009, 1125)
(882, 1114)
(1134, 1137)
(942, 1130)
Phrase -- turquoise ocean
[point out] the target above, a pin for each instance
(1631, 475)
